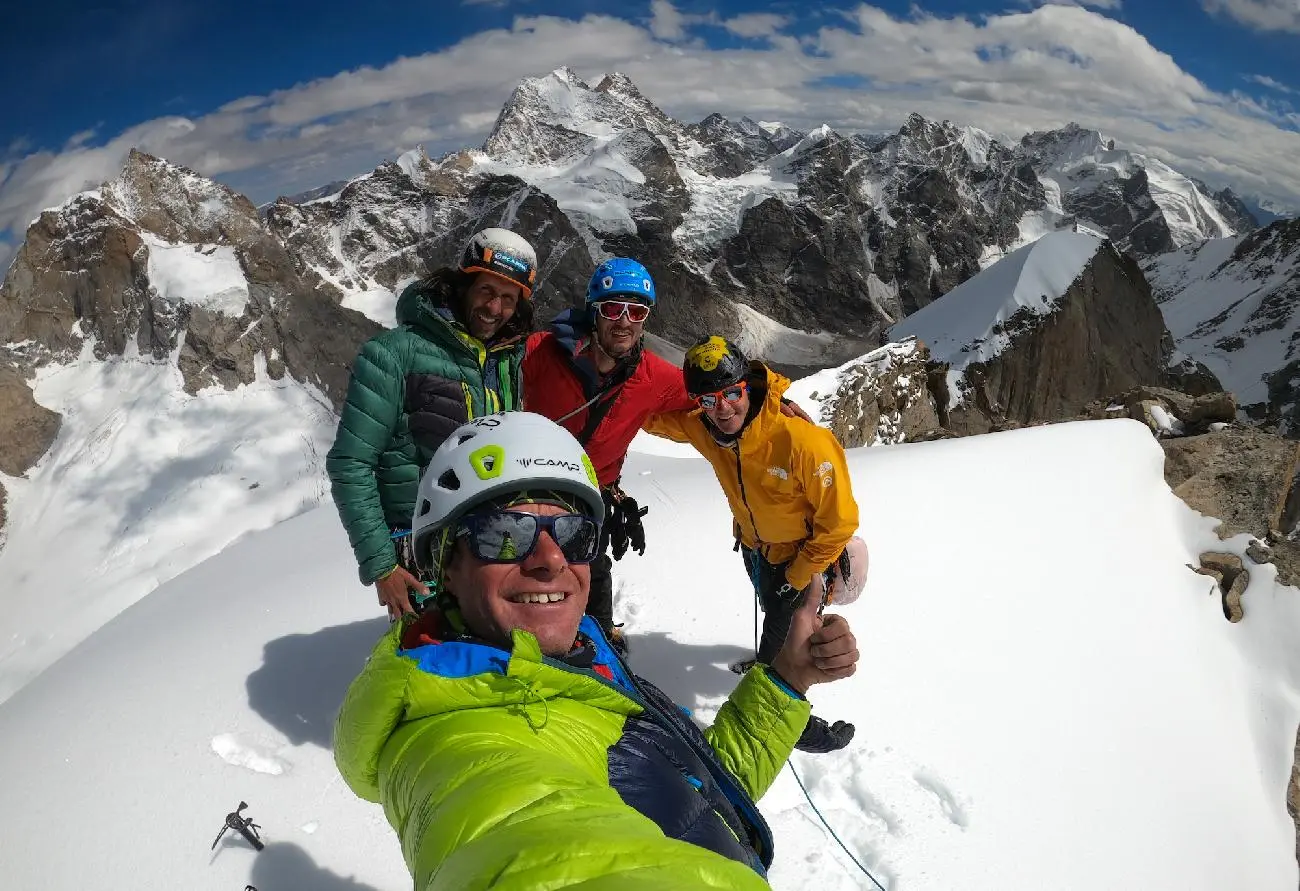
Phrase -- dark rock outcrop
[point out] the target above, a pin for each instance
(1169, 412)
(1104, 336)
(82, 269)
(882, 398)
(29, 428)
(1248, 479)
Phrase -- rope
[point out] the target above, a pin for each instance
(843, 846)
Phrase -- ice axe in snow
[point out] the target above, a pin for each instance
(241, 824)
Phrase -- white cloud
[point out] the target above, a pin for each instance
(666, 22)
(1266, 81)
(1265, 15)
(1008, 73)
(756, 24)
(1093, 4)
(77, 139)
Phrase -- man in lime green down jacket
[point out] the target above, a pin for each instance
(510, 745)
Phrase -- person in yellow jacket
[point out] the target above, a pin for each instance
(511, 746)
(788, 486)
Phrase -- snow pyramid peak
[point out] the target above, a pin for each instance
(552, 117)
(177, 204)
(1070, 143)
(965, 325)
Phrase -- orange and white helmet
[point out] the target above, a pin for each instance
(502, 253)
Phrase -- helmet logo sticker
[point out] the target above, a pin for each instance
(591, 471)
(548, 462)
(707, 355)
(488, 462)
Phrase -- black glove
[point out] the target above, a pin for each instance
(615, 529)
(632, 523)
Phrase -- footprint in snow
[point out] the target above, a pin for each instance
(952, 809)
(259, 759)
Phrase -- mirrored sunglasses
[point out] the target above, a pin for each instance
(613, 310)
(731, 394)
(506, 536)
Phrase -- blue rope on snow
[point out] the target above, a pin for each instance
(843, 846)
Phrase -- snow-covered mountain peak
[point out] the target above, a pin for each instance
(177, 204)
(922, 142)
(811, 139)
(968, 324)
(978, 144)
(1143, 203)
(1071, 143)
(619, 86)
(414, 162)
(549, 118)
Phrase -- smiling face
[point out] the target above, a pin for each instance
(618, 337)
(729, 417)
(544, 594)
(490, 302)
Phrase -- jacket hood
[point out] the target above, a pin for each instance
(572, 329)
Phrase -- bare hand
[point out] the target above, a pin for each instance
(792, 410)
(818, 649)
(392, 590)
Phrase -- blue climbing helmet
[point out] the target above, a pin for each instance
(621, 277)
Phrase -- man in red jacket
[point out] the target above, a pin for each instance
(591, 373)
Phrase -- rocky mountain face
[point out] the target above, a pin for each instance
(1234, 304)
(882, 398)
(827, 239)
(1054, 327)
(1140, 203)
(29, 430)
(1250, 479)
(102, 272)
(802, 247)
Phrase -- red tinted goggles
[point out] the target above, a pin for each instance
(613, 310)
(731, 394)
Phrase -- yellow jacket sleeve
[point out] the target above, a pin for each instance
(824, 475)
(671, 425)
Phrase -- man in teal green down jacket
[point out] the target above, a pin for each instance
(510, 745)
(454, 355)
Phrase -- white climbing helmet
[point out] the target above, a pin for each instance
(495, 455)
(501, 253)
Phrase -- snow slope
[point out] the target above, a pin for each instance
(143, 482)
(964, 326)
(206, 275)
(1048, 698)
(1234, 310)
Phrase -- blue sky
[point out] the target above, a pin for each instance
(329, 90)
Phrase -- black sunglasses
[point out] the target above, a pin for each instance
(505, 536)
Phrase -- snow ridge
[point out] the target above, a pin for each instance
(965, 326)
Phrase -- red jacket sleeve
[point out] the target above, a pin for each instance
(671, 386)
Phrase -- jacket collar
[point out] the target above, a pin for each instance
(574, 332)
